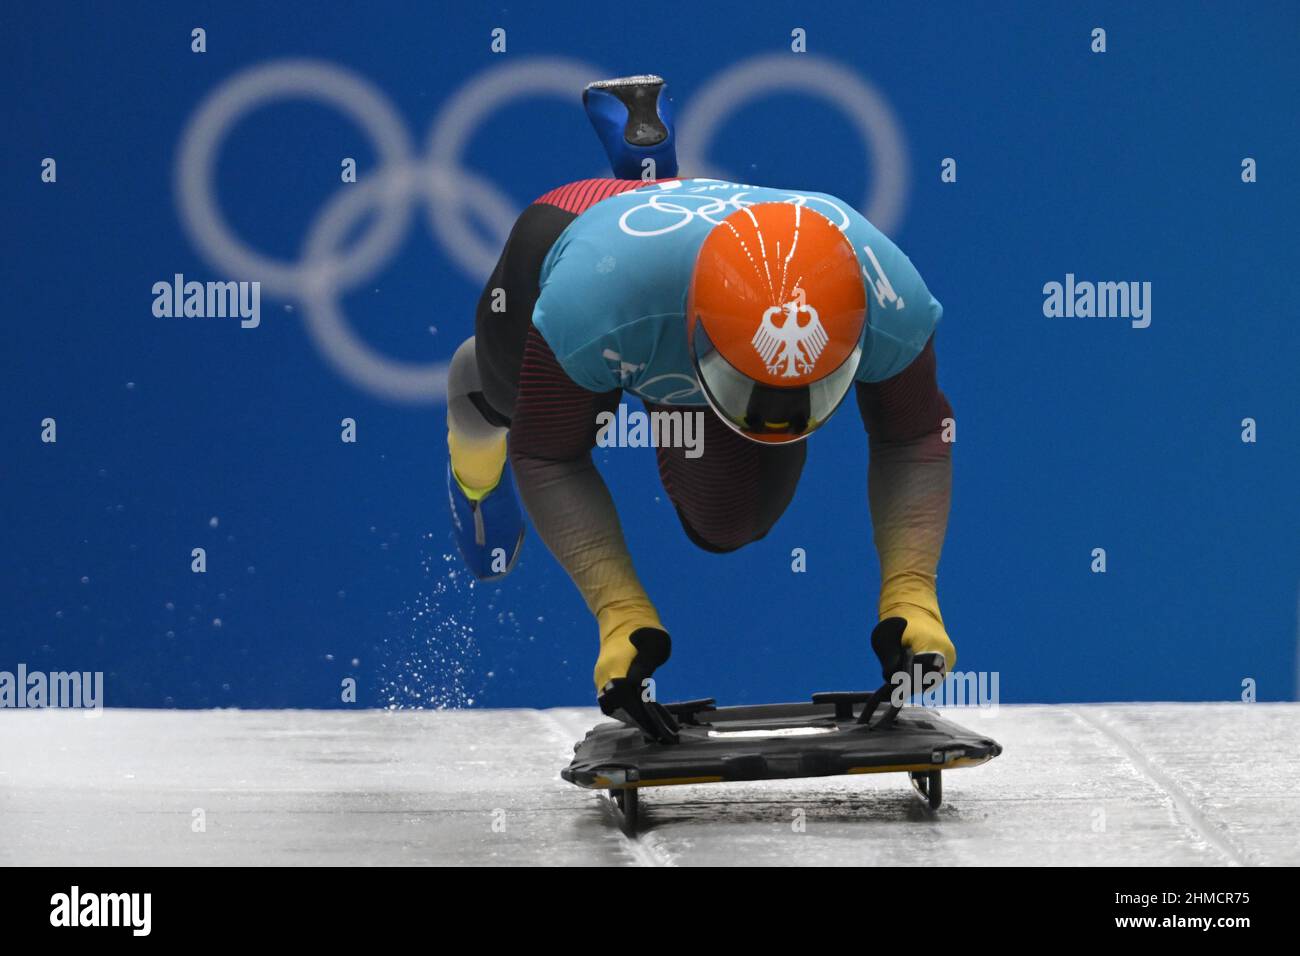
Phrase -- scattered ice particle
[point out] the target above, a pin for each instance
(356, 662)
(213, 522)
(170, 606)
(85, 579)
(216, 622)
(329, 658)
(130, 386)
(252, 570)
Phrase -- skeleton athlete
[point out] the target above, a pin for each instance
(761, 307)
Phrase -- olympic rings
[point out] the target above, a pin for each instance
(450, 191)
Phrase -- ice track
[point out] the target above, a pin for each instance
(1125, 784)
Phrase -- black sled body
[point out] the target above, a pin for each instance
(775, 742)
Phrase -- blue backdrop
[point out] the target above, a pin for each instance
(328, 560)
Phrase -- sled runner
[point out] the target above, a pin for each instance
(824, 738)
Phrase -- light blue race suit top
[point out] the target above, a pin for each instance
(612, 305)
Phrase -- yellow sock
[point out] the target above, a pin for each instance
(477, 466)
(911, 596)
(617, 621)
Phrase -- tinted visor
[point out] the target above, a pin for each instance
(768, 413)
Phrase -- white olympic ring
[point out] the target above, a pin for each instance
(692, 387)
(669, 202)
(451, 191)
(779, 72)
(464, 112)
(445, 186)
(201, 144)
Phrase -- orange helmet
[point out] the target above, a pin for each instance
(775, 316)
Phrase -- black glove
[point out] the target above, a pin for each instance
(623, 698)
(897, 659)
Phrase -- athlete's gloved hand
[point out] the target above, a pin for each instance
(925, 633)
(623, 672)
(912, 641)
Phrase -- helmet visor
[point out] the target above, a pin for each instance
(767, 413)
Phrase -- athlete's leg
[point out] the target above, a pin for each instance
(482, 385)
(486, 383)
(476, 433)
(484, 377)
(505, 309)
(735, 491)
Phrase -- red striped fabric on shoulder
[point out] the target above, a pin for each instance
(578, 197)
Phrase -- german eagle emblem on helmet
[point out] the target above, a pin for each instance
(788, 348)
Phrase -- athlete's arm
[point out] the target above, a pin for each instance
(551, 437)
(909, 484)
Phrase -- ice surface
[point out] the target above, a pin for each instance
(1141, 784)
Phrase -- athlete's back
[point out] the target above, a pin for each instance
(613, 287)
